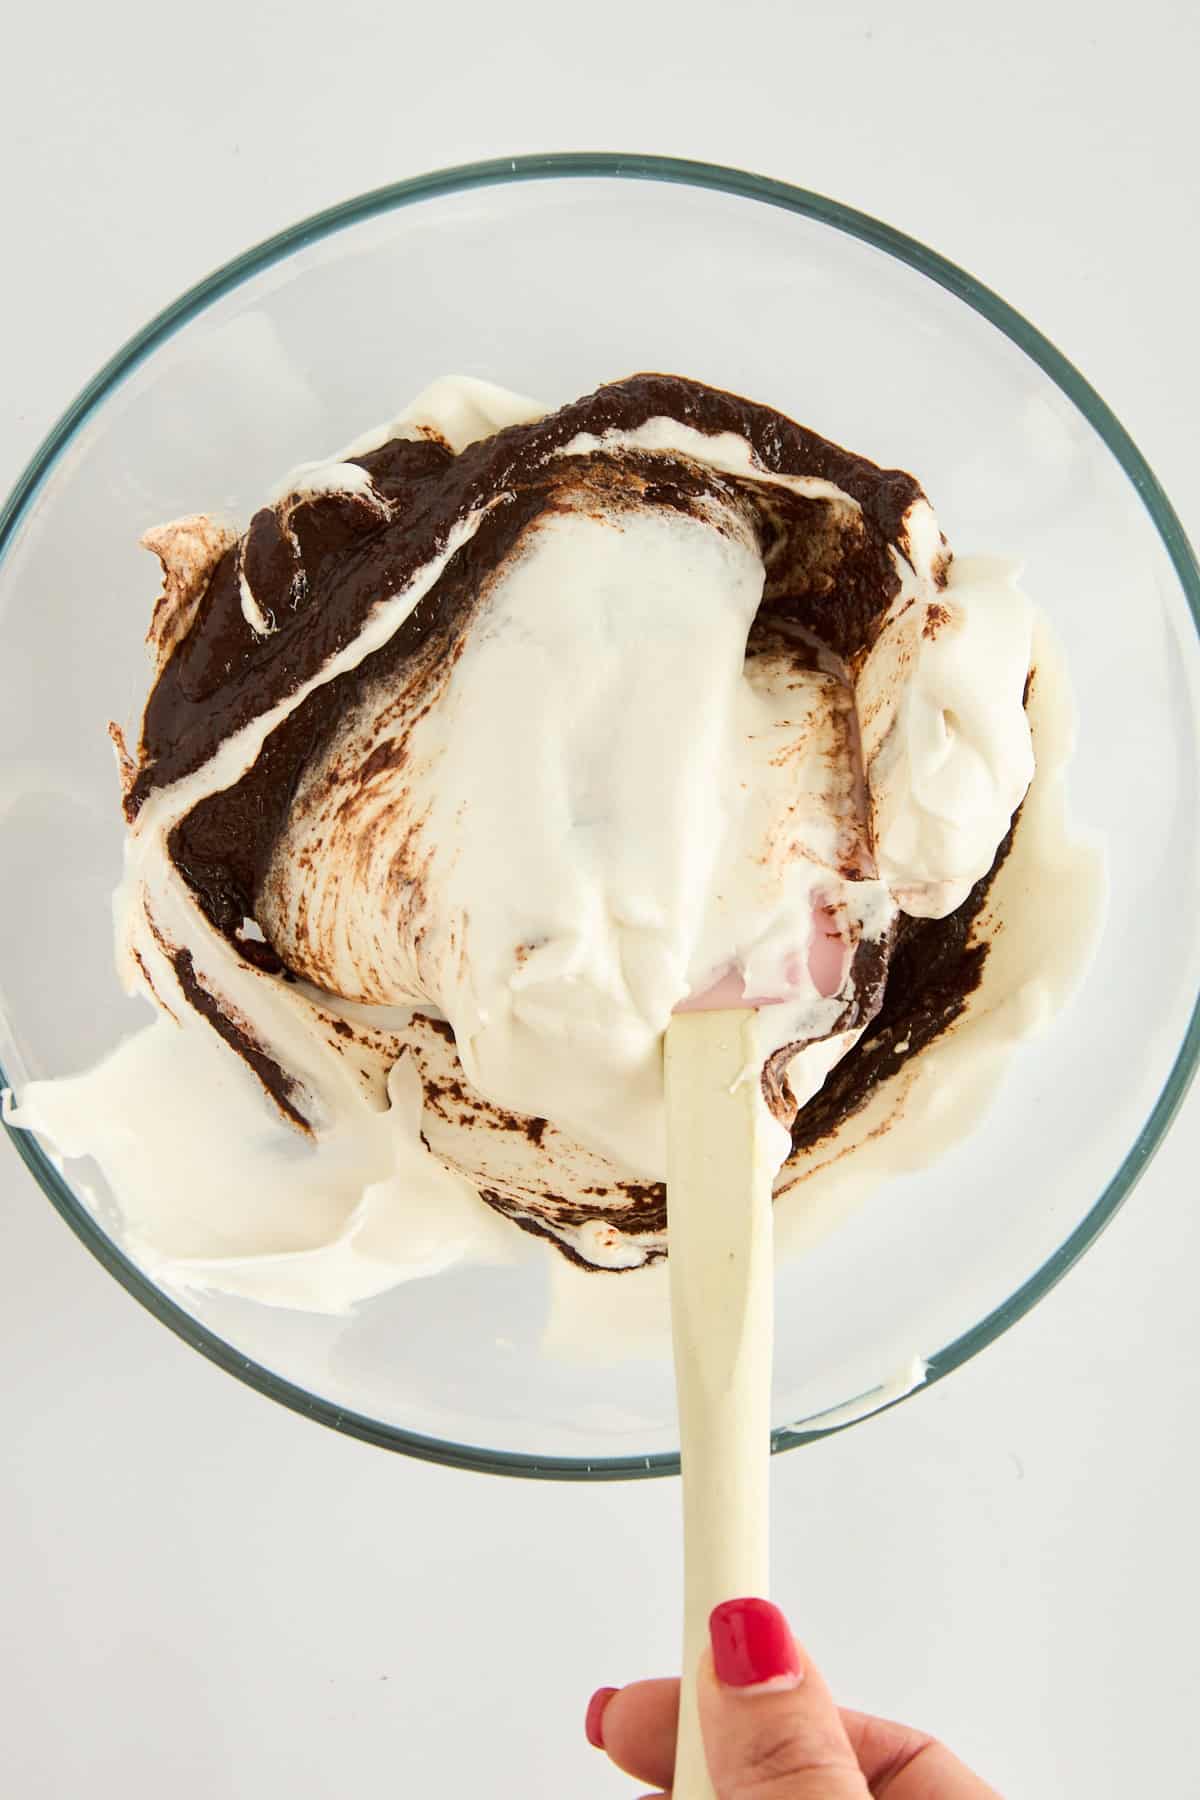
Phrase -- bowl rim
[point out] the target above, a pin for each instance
(504, 171)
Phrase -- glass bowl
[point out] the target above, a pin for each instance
(550, 274)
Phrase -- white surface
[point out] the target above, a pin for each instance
(206, 1592)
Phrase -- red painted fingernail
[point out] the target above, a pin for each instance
(593, 1722)
(752, 1645)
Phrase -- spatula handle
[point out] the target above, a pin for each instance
(719, 1221)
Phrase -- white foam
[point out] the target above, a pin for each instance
(605, 824)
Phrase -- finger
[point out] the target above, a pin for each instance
(770, 1726)
(883, 1748)
(901, 1763)
(636, 1725)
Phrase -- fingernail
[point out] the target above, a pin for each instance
(752, 1646)
(593, 1722)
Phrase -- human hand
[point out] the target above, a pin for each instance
(771, 1729)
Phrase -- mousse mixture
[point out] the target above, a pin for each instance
(490, 742)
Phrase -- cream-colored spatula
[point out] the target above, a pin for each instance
(719, 1180)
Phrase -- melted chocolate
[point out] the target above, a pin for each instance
(277, 1082)
(933, 971)
(319, 585)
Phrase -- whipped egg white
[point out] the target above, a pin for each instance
(495, 738)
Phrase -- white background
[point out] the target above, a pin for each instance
(206, 1596)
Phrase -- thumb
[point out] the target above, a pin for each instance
(771, 1729)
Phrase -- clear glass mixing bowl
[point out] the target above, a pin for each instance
(550, 274)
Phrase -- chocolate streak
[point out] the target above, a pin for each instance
(277, 1082)
(934, 968)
